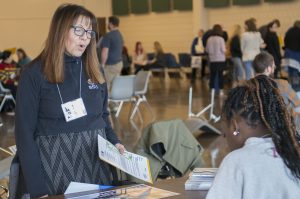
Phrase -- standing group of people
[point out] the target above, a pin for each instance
(242, 47)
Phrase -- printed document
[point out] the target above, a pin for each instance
(133, 164)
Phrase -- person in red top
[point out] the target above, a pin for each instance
(8, 72)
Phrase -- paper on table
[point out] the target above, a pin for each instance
(133, 164)
(143, 191)
(131, 192)
(75, 187)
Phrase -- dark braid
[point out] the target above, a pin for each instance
(259, 102)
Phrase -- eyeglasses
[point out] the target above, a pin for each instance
(79, 31)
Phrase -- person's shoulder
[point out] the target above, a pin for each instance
(246, 35)
(34, 68)
(256, 33)
(271, 34)
(220, 38)
(234, 156)
(106, 36)
(234, 159)
(282, 83)
(245, 153)
(34, 65)
(116, 33)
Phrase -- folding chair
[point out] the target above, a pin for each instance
(198, 121)
(122, 91)
(6, 95)
(141, 87)
(185, 62)
(5, 165)
(162, 69)
(172, 65)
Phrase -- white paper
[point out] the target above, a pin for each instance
(75, 187)
(133, 164)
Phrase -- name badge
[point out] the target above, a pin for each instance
(74, 109)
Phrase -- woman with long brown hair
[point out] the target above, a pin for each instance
(159, 60)
(62, 108)
(139, 57)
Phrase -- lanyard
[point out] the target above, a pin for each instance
(79, 85)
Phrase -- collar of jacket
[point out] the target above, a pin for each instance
(71, 59)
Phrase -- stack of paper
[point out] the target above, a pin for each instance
(200, 179)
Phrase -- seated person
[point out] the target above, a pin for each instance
(8, 72)
(23, 58)
(157, 62)
(264, 162)
(264, 64)
(126, 61)
(139, 56)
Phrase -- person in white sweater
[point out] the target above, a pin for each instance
(215, 48)
(251, 42)
(265, 158)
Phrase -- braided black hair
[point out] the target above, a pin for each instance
(259, 102)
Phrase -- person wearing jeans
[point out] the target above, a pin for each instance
(251, 43)
(215, 48)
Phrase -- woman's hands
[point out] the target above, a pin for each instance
(120, 147)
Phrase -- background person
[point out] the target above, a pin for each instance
(126, 59)
(264, 64)
(139, 57)
(264, 28)
(111, 53)
(216, 49)
(251, 43)
(197, 49)
(273, 46)
(158, 61)
(55, 144)
(265, 145)
(23, 58)
(8, 72)
(236, 54)
(292, 50)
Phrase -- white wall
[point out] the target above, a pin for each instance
(173, 30)
(26, 23)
